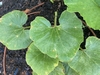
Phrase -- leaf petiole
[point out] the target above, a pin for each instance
(55, 19)
(26, 27)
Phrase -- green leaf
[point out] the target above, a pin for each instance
(39, 62)
(59, 70)
(12, 33)
(97, 2)
(88, 9)
(61, 41)
(87, 62)
(69, 71)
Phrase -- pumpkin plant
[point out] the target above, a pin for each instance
(54, 49)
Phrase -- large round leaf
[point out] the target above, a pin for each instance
(87, 62)
(12, 33)
(61, 41)
(39, 62)
(59, 70)
(88, 9)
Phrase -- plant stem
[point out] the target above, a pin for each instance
(34, 13)
(89, 28)
(26, 27)
(81, 48)
(55, 19)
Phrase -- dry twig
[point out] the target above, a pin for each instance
(4, 61)
(27, 11)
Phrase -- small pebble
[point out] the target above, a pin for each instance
(1, 50)
(16, 71)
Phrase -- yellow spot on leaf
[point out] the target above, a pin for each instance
(75, 27)
(17, 35)
(14, 45)
(54, 50)
(55, 65)
(46, 73)
(10, 24)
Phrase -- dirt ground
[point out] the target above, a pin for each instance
(15, 60)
